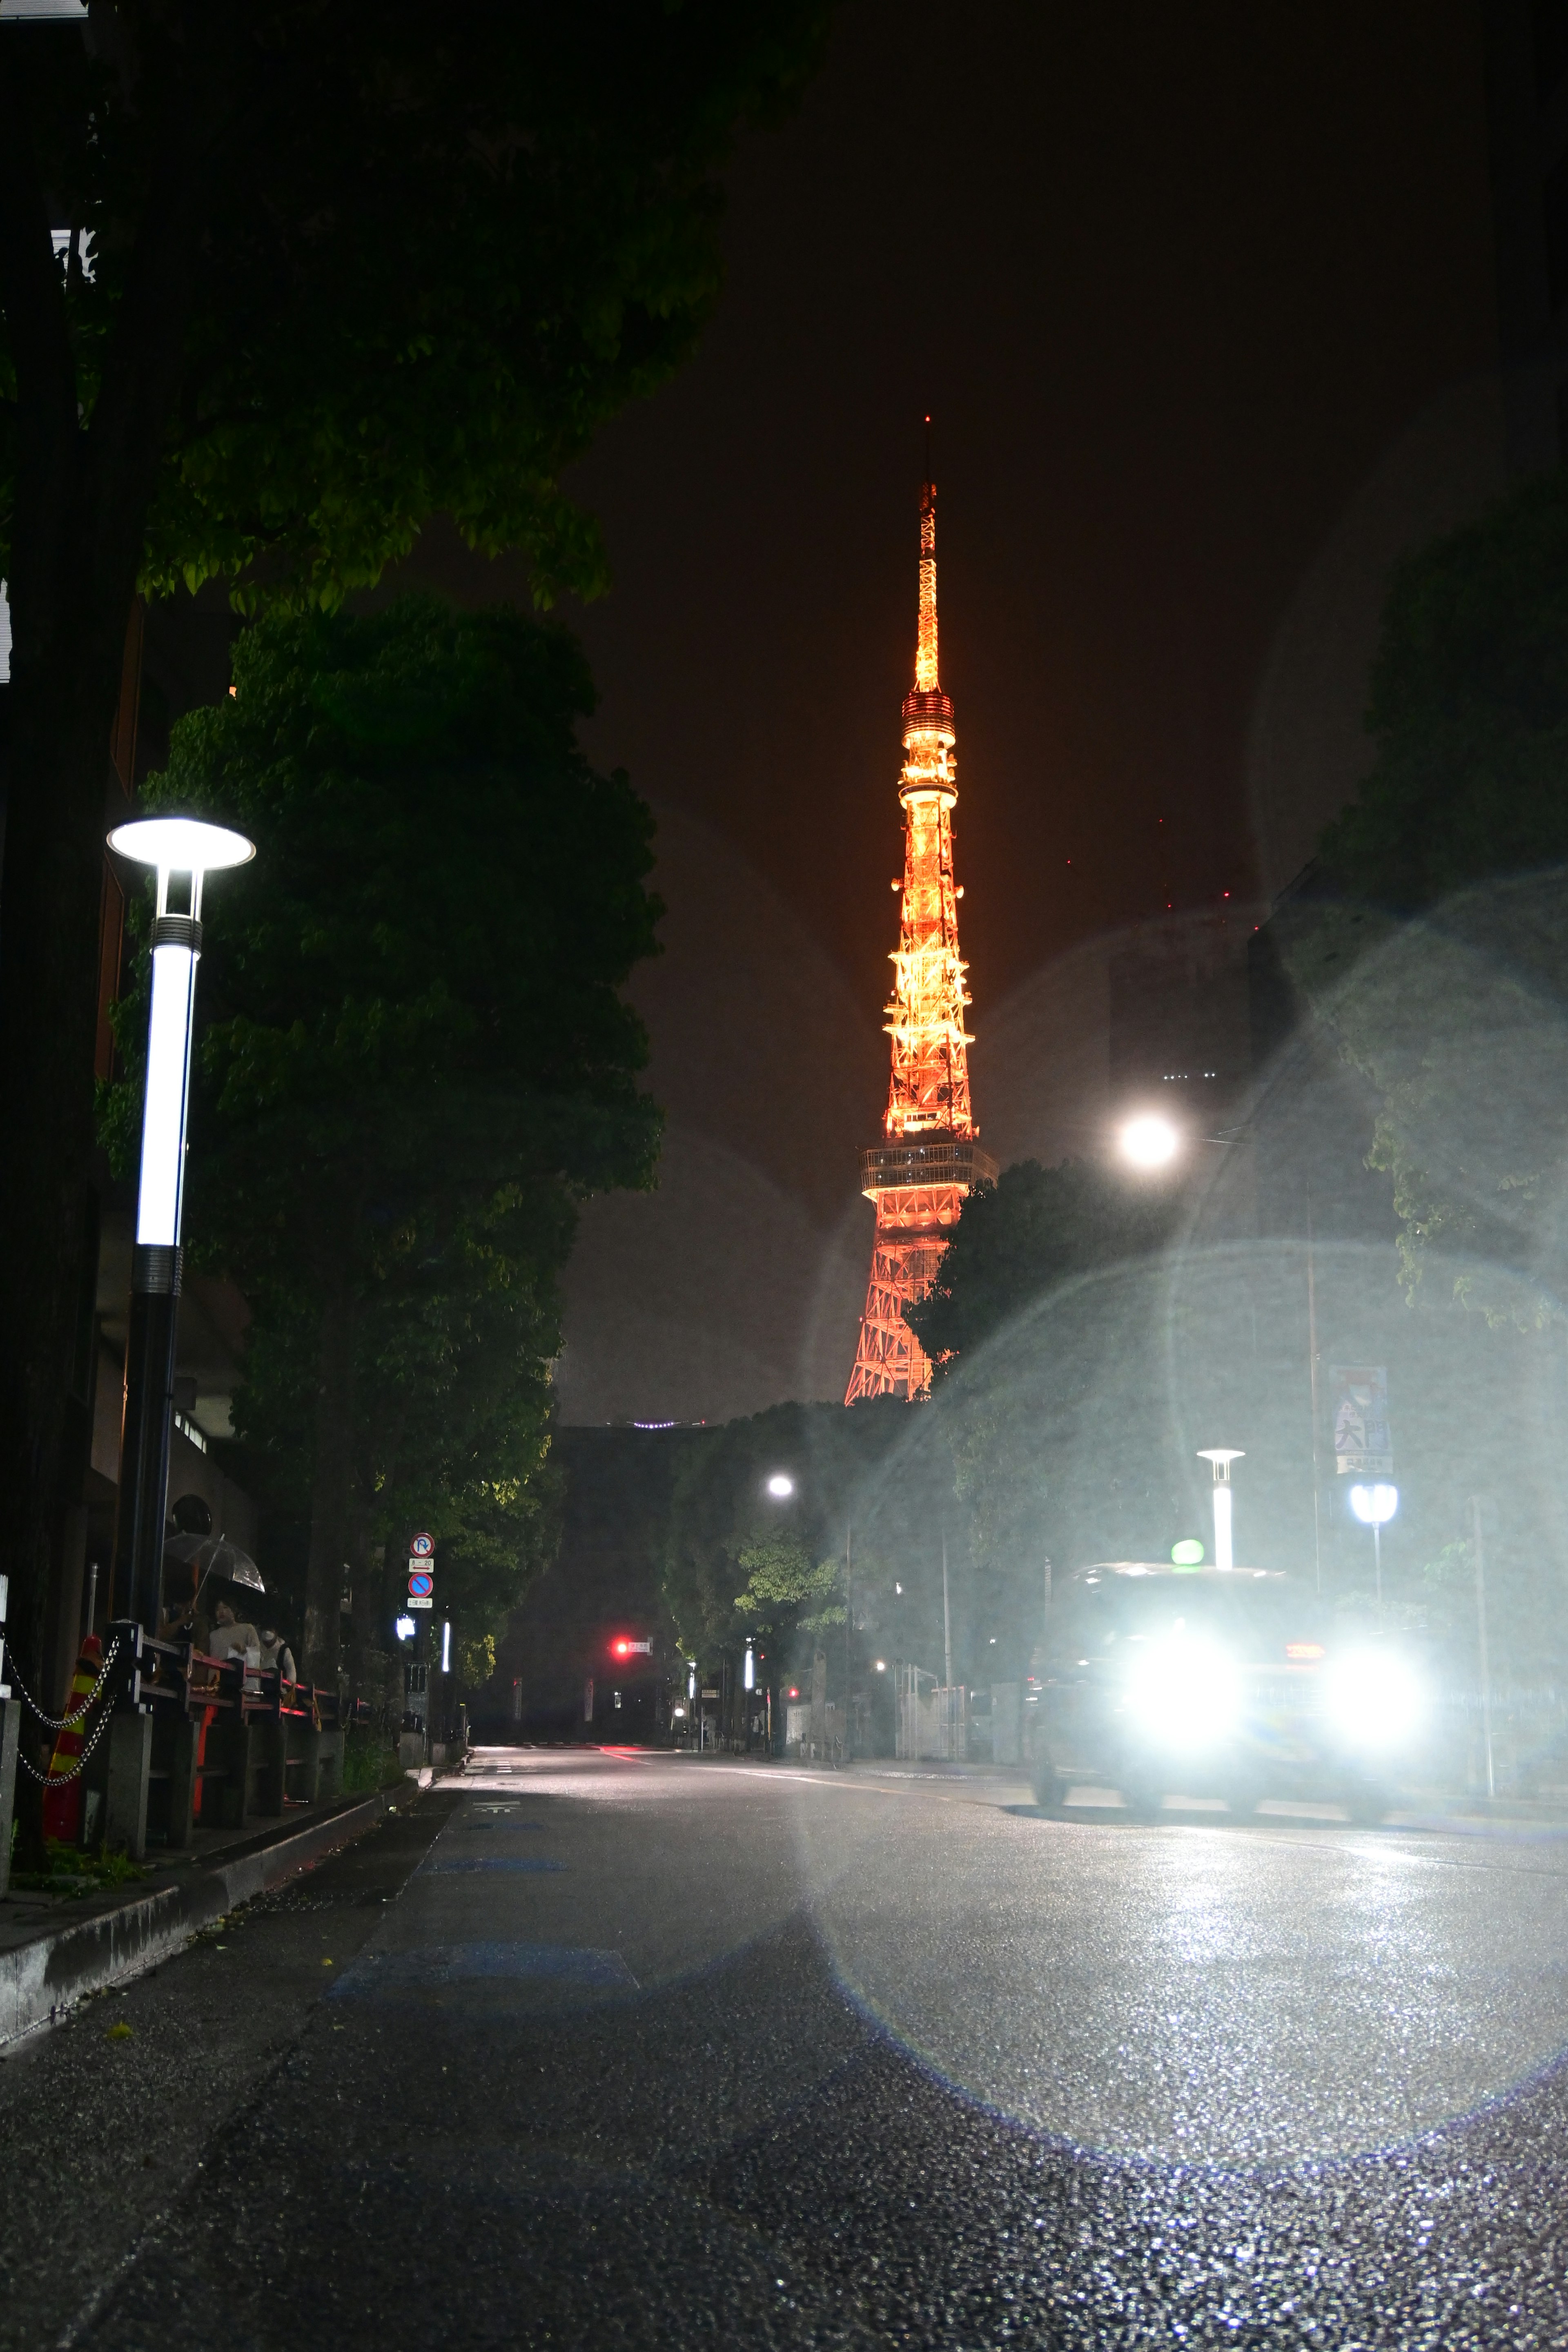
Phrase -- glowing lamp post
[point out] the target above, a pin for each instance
(1374, 1507)
(171, 845)
(1220, 1458)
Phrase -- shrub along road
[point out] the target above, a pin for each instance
(637, 2048)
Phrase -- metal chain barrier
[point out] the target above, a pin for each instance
(67, 1722)
(59, 1780)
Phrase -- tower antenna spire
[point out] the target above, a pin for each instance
(927, 1160)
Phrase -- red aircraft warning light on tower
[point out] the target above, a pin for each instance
(928, 1160)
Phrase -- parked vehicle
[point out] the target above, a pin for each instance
(1233, 1682)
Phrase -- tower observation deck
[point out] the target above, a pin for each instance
(928, 1157)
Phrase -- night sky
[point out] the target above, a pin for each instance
(1174, 283)
(1170, 279)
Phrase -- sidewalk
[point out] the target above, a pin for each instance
(54, 1949)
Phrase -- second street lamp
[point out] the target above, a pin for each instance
(1374, 1507)
(1220, 1458)
(172, 846)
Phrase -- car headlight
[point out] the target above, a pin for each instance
(1184, 1694)
(1373, 1700)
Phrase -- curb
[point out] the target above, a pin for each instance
(40, 1980)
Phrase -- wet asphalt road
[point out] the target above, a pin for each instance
(636, 2050)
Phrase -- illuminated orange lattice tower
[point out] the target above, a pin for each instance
(919, 1174)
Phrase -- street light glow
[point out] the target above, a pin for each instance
(1149, 1142)
(404, 1629)
(173, 845)
(160, 1194)
(1374, 1506)
(181, 845)
(781, 1484)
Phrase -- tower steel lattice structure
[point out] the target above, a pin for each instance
(928, 1157)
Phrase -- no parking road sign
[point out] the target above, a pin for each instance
(421, 1584)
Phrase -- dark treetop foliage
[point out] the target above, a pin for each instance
(1443, 963)
(1468, 712)
(1032, 1230)
(422, 254)
(414, 1059)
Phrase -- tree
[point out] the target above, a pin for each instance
(786, 1589)
(1435, 943)
(1048, 1391)
(413, 1062)
(332, 266)
(1467, 711)
(875, 1483)
(1017, 1238)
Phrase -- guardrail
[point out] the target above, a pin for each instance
(195, 1738)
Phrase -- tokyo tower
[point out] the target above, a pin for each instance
(928, 1159)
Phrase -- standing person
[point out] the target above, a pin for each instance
(275, 1652)
(233, 1636)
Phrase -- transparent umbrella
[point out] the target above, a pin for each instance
(214, 1556)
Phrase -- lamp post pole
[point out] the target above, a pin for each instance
(171, 846)
(1220, 1458)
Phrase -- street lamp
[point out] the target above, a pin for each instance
(1374, 1507)
(1221, 1457)
(171, 845)
(1149, 1141)
(780, 1485)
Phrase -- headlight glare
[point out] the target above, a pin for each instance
(1182, 1693)
(1373, 1700)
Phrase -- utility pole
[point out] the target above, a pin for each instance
(848, 1637)
(1312, 1373)
(1482, 1632)
(946, 1619)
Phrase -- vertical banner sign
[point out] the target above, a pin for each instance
(1362, 1438)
